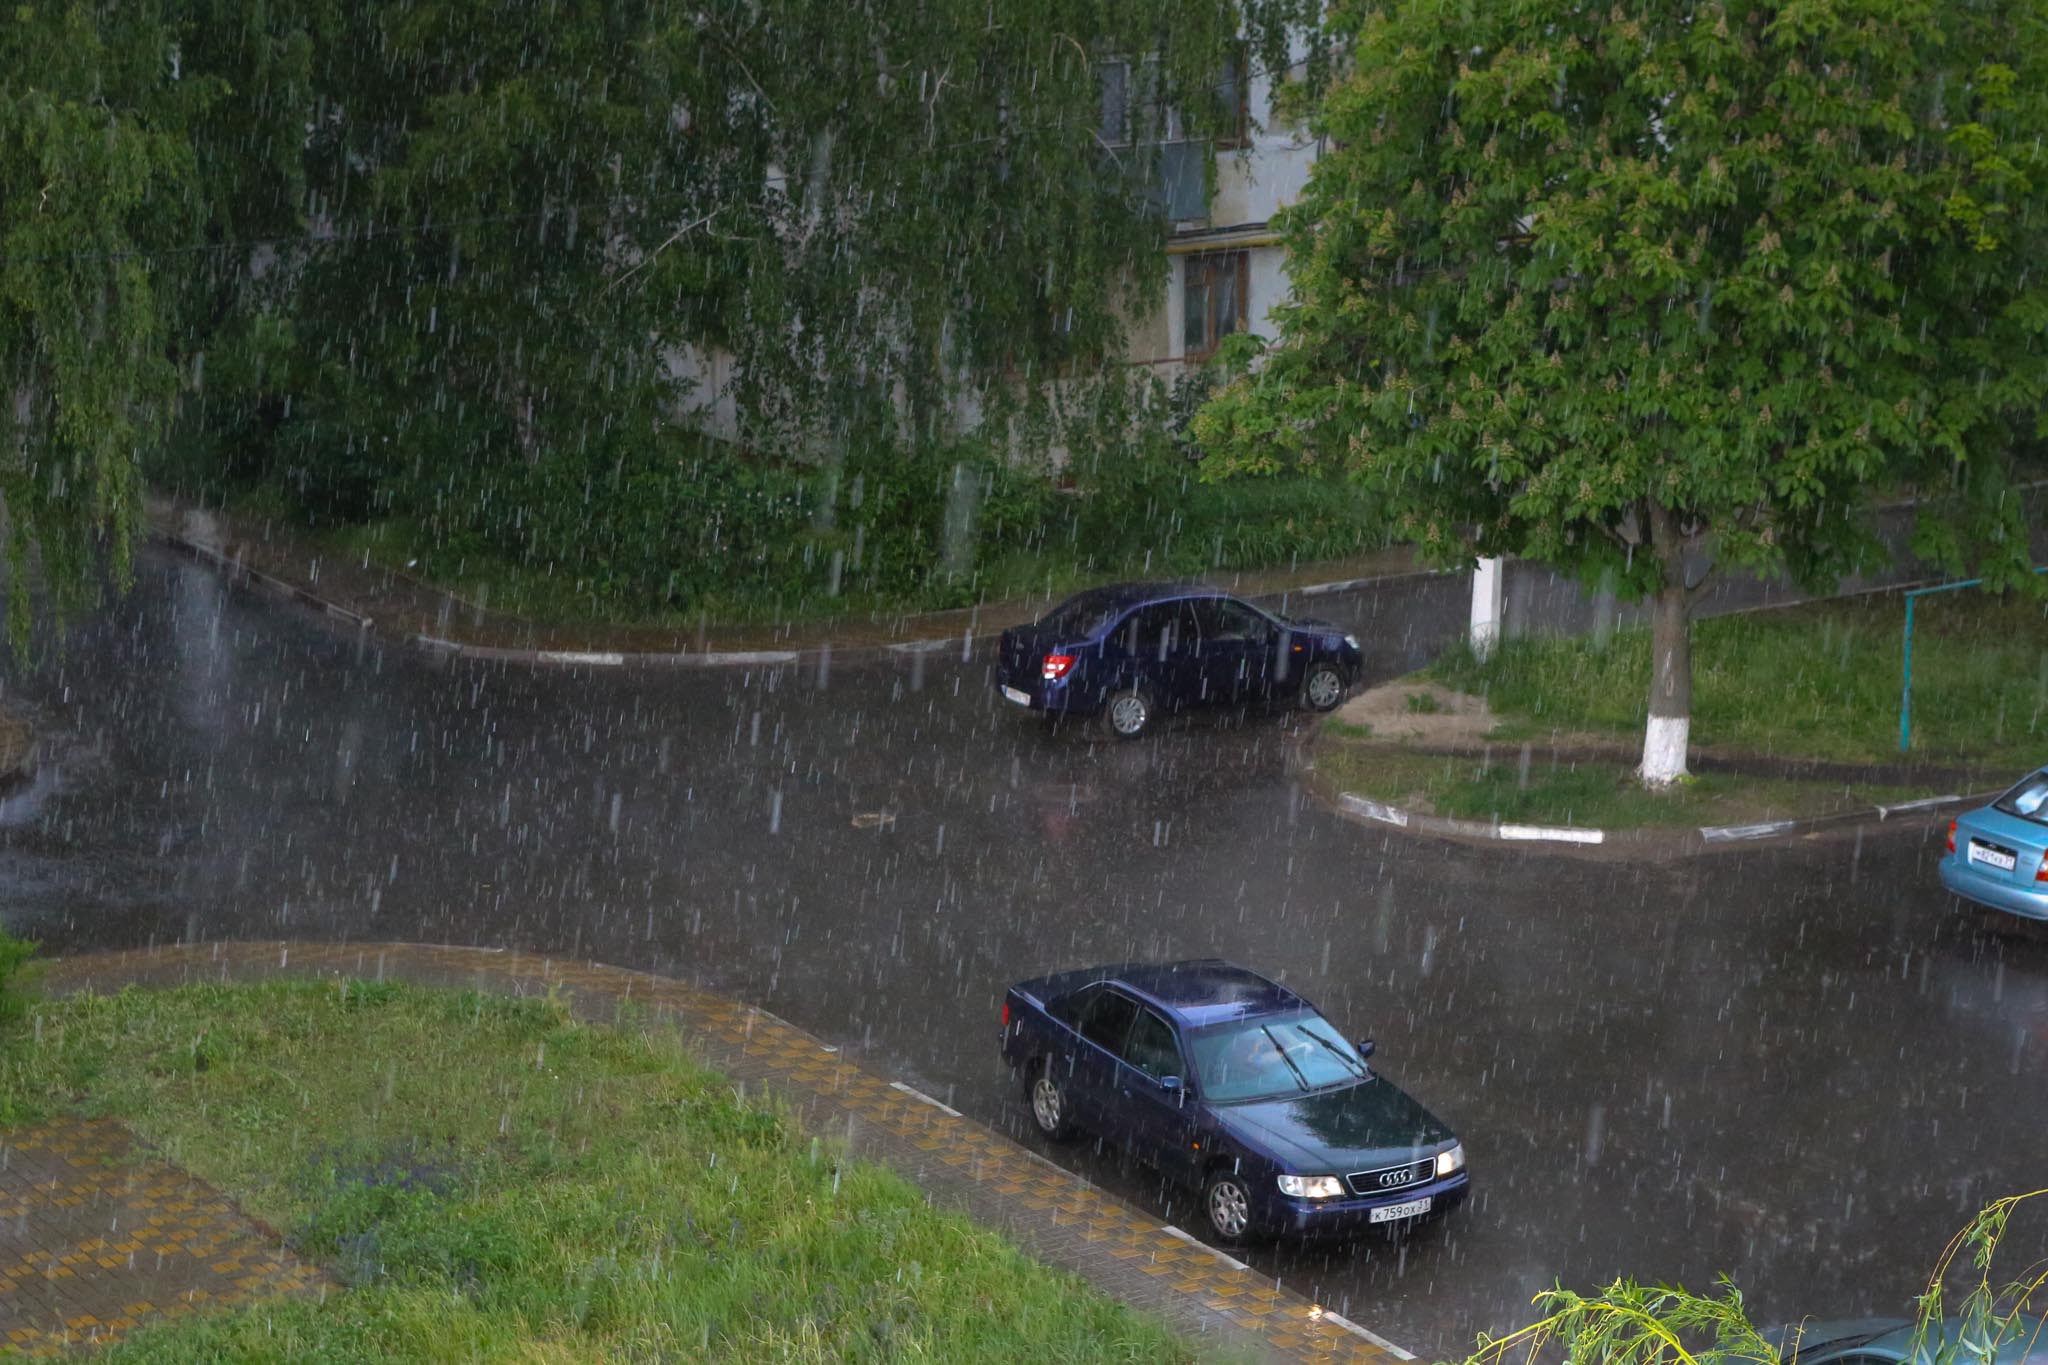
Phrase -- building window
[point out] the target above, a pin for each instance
(1233, 95)
(1213, 299)
(1115, 79)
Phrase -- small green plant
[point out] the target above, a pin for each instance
(15, 975)
(1633, 1324)
(1347, 729)
(1423, 704)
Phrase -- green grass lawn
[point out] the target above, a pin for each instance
(1817, 681)
(562, 598)
(495, 1180)
(1598, 795)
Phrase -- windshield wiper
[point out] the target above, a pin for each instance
(1285, 1058)
(1356, 1068)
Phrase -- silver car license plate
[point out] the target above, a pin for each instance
(1991, 857)
(1394, 1213)
(1016, 695)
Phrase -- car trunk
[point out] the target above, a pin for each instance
(1021, 658)
(2006, 848)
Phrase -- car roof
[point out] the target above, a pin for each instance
(1138, 594)
(1205, 990)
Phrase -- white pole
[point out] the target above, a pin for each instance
(1489, 581)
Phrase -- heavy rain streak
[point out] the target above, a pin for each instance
(606, 487)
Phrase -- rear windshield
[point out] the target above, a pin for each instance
(1079, 617)
(2029, 800)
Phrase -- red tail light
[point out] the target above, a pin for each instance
(1951, 836)
(2041, 873)
(1006, 1014)
(1056, 666)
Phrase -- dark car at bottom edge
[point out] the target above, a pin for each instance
(1132, 653)
(1235, 1088)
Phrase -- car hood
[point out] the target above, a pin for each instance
(1354, 1128)
(1314, 623)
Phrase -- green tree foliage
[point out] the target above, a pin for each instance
(518, 221)
(440, 259)
(1641, 288)
(1634, 1324)
(94, 171)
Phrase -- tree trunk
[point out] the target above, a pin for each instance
(1664, 741)
(1665, 737)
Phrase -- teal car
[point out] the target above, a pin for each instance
(1889, 1341)
(1998, 854)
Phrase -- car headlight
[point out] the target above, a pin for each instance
(1312, 1186)
(1352, 640)
(1451, 1162)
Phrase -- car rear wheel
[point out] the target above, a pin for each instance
(1049, 1107)
(1323, 688)
(1128, 714)
(1228, 1205)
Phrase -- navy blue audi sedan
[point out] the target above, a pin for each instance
(1236, 1088)
(1130, 652)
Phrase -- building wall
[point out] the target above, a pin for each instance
(1252, 184)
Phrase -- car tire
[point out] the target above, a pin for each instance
(1322, 687)
(1227, 1205)
(1052, 1110)
(1129, 713)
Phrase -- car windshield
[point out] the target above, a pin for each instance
(1274, 1057)
(1081, 616)
(2029, 800)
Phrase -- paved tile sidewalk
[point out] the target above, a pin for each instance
(1057, 1217)
(97, 1236)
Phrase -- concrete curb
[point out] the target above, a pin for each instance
(1680, 841)
(821, 654)
(239, 572)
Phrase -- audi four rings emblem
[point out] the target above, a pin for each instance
(1400, 1177)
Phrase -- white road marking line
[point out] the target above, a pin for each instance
(1373, 1337)
(921, 646)
(1391, 815)
(1557, 834)
(572, 656)
(744, 656)
(1200, 1245)
(1721, 834)
(1921, 804)
(917, 1094)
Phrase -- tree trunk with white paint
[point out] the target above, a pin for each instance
(1664, 741)
(1670, 724)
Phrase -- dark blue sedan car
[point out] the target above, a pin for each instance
(1235, 1087)
(1131, 652)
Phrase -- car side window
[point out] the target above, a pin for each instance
(1154, 632)
(1107, 1019)
(1069, 1008)
(1151, 1047)
(1222, 619)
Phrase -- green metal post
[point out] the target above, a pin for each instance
(1906, 689)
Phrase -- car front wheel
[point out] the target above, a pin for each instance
(1228, 1203)
(1323, 688)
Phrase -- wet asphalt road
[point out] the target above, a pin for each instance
(1803, 1066)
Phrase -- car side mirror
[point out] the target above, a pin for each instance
(1174, 1086)
(1365, 1047)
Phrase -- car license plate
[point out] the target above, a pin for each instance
(1990, 857)
(1393, 1213)
(1018, 696)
